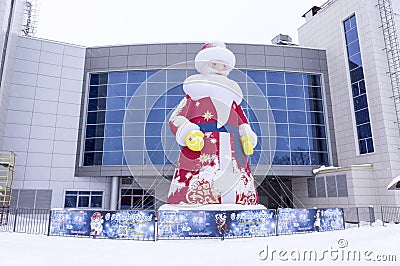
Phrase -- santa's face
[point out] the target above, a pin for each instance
(218, 67)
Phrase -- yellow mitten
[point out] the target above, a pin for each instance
(247, 145)
(194, 140)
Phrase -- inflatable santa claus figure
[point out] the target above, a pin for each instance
(215, 136)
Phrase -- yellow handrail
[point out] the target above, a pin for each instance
(7, 169)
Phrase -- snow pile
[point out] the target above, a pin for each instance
(333, 248)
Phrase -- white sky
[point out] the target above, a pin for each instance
(106, 22)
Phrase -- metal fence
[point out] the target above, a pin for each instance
(390, 214)
(359, 215)
(31, 221)
(36, 221)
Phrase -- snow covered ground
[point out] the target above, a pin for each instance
(354, 246)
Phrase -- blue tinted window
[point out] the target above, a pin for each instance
(131, 88)
(134, 129)
(351, 35)
(297, 117)
(275, 77)
(96, 117)
(115, 103)
(157, 157)
(257, 76)
(353, 48)
(113, 144)
(281, 158)
(134, 143)
(362, 116)
(314, 105)
(154, 129)
(94, 79)
(356, 74)
(294, 78)
(295, 104)
(347, 25)
(280, 116)
(136, 76)
(313, 80)
(97, 104)
(117, 77)
(93, 158)
(294, 91)
(115, 116)
(95, 144)
(116, 90)
(149, 112)
(282, 144)
(159, 103)
(175, 90)
(300, 158)
(370, 145)
(360, 102)
(355, 61)
(358, 86)
(277, 103)
(98, 79)
(237, 75)
(112, 158)
(364, 131)
(313, 92)
(151, 100)
(275, 90)
(316, 118)
(318, 144)
(173, 101)
(257, 102)
(254, 158)
(98, 91)
(158, 76)
(363, 146)
(134, 157)
(353, 21)
(176, 75)
(153, 143)
(316, 131)
(113, 130)
(94, 131)
(156, 88)
(319, 158)
(251, 115)
(297, 130)
(156, 115)
(282, 130)
(299, 144)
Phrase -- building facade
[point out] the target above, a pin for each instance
(89, 126)
(364, 99)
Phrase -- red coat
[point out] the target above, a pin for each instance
(219, 173)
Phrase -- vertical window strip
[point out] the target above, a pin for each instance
(362, 118)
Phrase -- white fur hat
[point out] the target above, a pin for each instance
(214, 51)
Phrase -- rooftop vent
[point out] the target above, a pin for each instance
(282, 39)
(312, 12)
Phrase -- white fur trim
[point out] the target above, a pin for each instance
(183, 130)
(213, 54)
(245, 130)
(214, 86)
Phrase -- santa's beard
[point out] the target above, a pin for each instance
(221, 96)
(222, 91)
